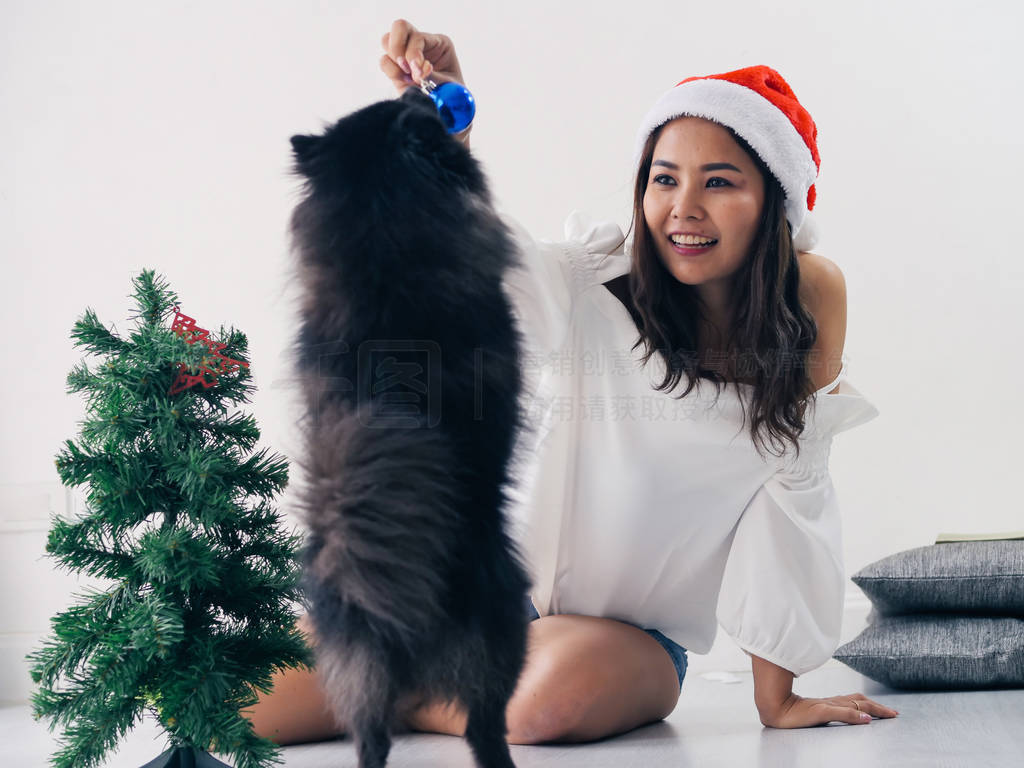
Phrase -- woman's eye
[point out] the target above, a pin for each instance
(725, 182)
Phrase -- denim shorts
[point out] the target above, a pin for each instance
(675, 651)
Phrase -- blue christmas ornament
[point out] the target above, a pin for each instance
(454, 103)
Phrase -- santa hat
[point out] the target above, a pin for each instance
(760, 107)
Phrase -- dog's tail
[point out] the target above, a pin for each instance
(381, 505)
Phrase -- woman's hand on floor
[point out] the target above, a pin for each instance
(798, 712)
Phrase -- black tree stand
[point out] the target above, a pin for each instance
(186, 757)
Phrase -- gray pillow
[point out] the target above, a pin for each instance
(964, 577)
(939, 652)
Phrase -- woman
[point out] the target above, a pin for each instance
(670, 524)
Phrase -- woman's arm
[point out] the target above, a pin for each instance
(773, 686)
(411, 55)
(779, 707)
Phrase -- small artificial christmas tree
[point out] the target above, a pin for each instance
(203, 579)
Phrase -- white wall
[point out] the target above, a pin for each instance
(156, 135)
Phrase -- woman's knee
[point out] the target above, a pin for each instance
(551, 693)
(537, 713)
(589, 676)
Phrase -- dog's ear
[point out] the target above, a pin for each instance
(304, 147)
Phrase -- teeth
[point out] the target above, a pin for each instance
(692, 240)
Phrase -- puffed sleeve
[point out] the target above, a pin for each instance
(784, 583)
(550, 275)
(543, 289)
(597, 250)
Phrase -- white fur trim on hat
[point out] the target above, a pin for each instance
(807, 237)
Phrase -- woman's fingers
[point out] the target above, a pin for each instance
(385, 43)
(400, 80)
(397, 41)
(854, 706)
(404, 62)
(864, 704)
(850, 715)
(414, 50)
(420, 54)
(425, 49)
(405, 45)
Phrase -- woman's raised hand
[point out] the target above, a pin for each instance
(411, 55)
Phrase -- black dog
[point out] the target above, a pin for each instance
(411, 361)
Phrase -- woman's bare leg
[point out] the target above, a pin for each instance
(297, 709)
(585, 678)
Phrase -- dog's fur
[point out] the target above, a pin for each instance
(412, 581)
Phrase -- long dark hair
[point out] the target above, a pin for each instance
(771, 331)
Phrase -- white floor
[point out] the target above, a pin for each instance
(715, 724)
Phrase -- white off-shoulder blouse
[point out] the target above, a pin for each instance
(632, 504)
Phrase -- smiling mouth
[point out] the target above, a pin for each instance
(690, 250)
